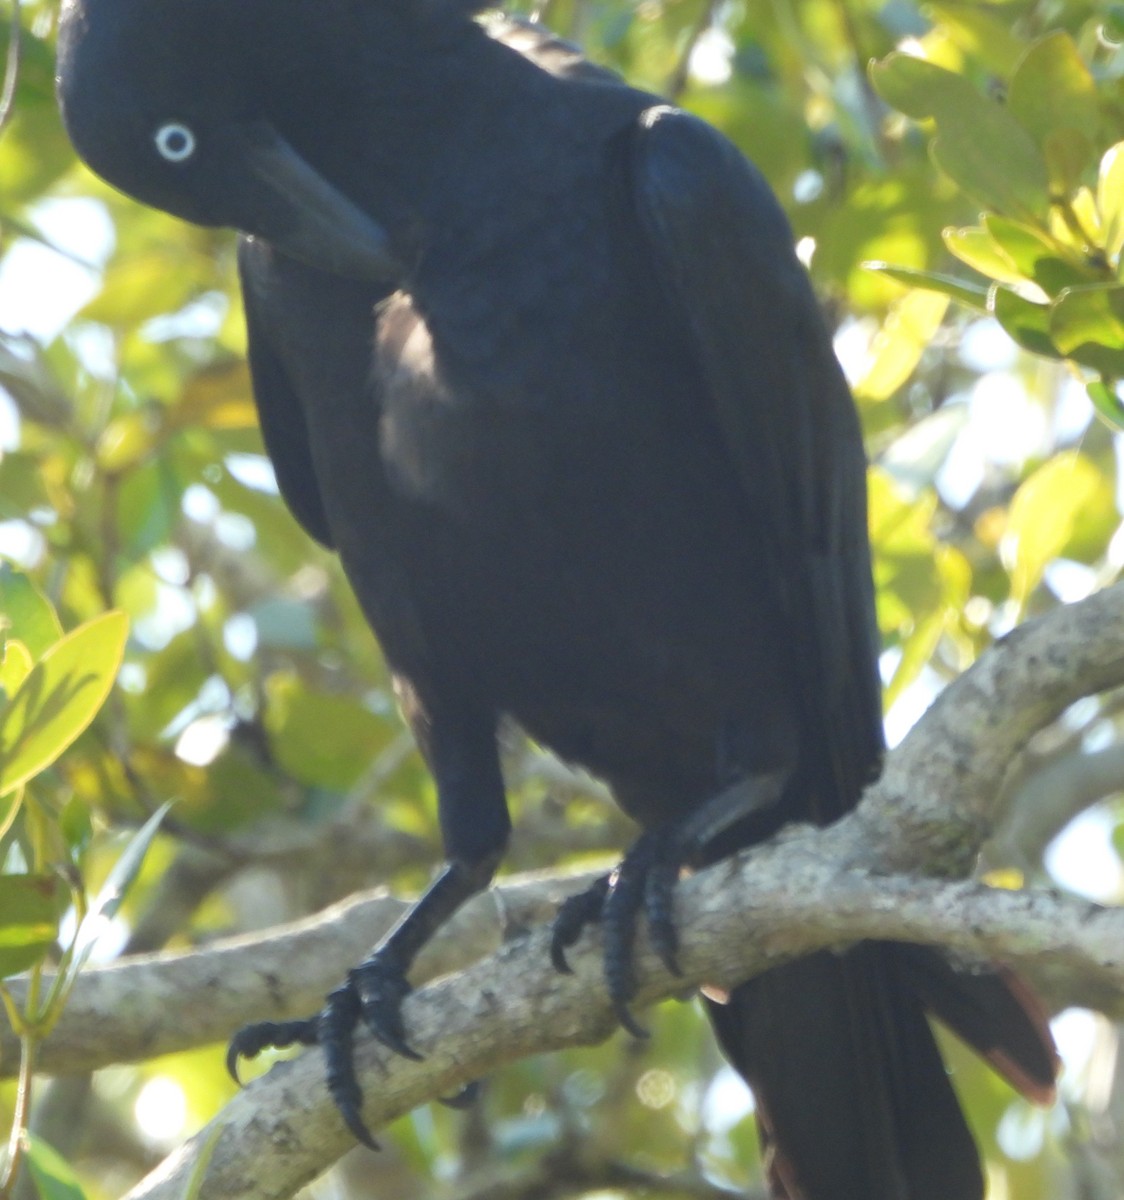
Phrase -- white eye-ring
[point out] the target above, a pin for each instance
(174, 141)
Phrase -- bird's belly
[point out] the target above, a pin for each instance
(610, 602)
(563, 540)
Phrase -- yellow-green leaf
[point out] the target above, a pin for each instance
(997, 165)
(59, 698)
(906, 333)
(1045, 513)
(904, 568)
(10, 806)
(137, 287)
(217, 398)
(15, 666)
(128, 440)
(983, 32)
(54, 1176)
(1107, 404)
(1027, 323)
(1110, 199)
(1087, 325)
(28, 921)
(974, 295)
(25, 613)
(1052, 93)
(975, 246)
(1067, 153)
(321, 739)
(1037, 255)
(979, 144)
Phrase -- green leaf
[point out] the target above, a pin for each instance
(985, 36)
(979, 144)
(25, 612)
(28, 920)
(14, 667)
(34, 150)
(128, 440)
(219, 397)
(1027, 323)
(1110, 199)
(919, 88)
(22, 485)
(1067, 153)
(33, 386)
(1036, 255)
(1107, 403)
(1087, 325)
(1044, 515)
(136, 287)
(1054, 97)
(976, 247)
(321, 739)
(903, 545)
(972, 294)
(905, 334)
(997, 166)
(115, 888)
(60, 697)
(10, 806)
(54, 1177)
(75, 825)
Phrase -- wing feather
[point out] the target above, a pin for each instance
(723, 250)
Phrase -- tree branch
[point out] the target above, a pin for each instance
(810, 889)
(740, 917)
(937, 797)
(137, 1008)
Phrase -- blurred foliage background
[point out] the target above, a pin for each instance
(975, 159)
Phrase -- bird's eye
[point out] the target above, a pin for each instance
(175, 142)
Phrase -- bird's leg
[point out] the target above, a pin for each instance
(461, 751)
(644, 882)
(372, 993)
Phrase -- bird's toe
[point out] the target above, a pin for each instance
(573, 916)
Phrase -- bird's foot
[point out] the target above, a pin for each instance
(643, 883)
(373, 993)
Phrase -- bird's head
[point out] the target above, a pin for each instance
(171, 101)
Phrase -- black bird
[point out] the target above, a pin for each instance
(533, 352)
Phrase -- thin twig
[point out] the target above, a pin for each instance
(11, 67)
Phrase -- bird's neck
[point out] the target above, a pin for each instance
(423, 148)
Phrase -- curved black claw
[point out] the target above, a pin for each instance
(623, 906)
(251, 1040)
(643, 883)
(335, 1031)
(574, 914)
(659, 897)
(373, 994)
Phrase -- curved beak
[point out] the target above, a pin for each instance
(293, 207)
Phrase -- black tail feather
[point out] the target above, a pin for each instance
(853, 1100)
(993, 1011)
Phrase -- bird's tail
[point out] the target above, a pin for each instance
(853, 1101)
